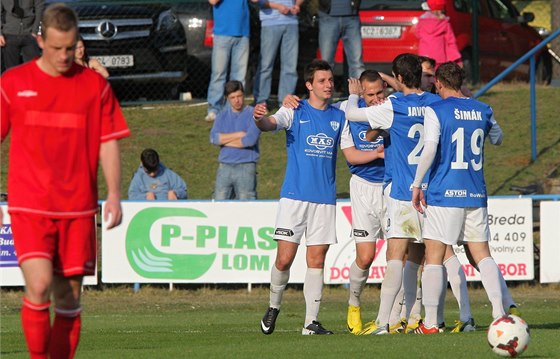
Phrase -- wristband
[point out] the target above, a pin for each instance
(257, 119)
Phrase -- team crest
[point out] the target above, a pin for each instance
(335, 125)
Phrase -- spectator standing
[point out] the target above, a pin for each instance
(338, 19)
(236, 133)
(435, 35)
(308, 197)
(58, 137)
(230, 52)
(154, 181)
(20, 21)
(279, 29)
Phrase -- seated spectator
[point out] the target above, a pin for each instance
(236, 133)
(154, 181)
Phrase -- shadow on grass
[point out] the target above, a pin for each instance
(552, 326)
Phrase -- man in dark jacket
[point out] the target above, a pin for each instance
(20, 20)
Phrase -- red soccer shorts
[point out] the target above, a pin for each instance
(70, 244)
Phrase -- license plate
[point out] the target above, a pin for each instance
(381, 32)
(116, 60)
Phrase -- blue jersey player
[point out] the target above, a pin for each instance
(308, 196)
(403, 117)
(366, 192)
(363, 150)
(456, 198)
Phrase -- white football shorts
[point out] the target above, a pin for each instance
(317, 221)
(454, 225)
(368, 209)
(403, 221)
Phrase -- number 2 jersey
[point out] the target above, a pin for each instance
(403, 116)
(459, 127)
(312, 139)
(57, 126)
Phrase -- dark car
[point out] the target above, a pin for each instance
(143, 45)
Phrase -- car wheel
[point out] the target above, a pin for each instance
(544, 69)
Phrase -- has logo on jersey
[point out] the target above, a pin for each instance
(335, 125)
(320, 141)
(461, 193)
(27, 93)
(378, 140)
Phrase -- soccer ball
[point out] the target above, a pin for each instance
(508, 336)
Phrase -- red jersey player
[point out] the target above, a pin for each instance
(64, 119)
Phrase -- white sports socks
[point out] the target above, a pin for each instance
(490, 276)
(313, 292)
(358, 278)
(278, 282)
(397, 311)
(389, 290)
(410, 284)
(458, 282)
(432, 282)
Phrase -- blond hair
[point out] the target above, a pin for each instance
(60, 17)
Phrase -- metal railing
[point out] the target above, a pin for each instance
(532, 79)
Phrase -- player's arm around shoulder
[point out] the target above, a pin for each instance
(355, 156)
(264, 123)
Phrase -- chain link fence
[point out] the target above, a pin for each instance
(162, 50)
(152, 50)
(555, 45)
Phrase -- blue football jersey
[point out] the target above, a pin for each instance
(373, 171)
(406, 132)
(457, 177)
(312, 143)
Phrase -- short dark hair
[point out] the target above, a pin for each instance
(232, 86)
(370, 76)
(314, 66)
(427, 59)
(150, 160)
(59, 17)
(450, 75)
(409, 67)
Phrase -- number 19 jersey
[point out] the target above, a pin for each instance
(457, 177)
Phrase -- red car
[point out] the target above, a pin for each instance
(388, 29)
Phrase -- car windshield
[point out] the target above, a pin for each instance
(391, 4)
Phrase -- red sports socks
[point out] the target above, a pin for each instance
(35, 319)
(65, 333)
